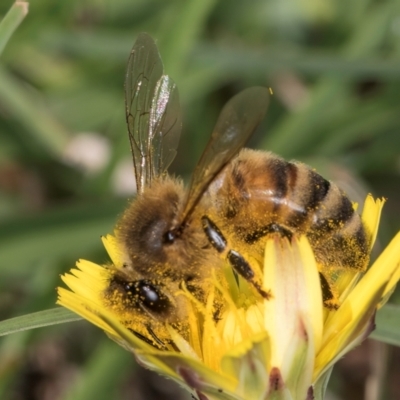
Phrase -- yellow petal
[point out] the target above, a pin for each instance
(380, 277)
(82, 307)
(353, 316)
(114, 250)
(183, 345)
(371, 216)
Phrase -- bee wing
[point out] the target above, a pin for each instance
(153, 113)
(237, 121)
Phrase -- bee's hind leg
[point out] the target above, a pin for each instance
(238, 263)
(328, 295)
(241, 267)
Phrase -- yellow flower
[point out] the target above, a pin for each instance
(280, 348)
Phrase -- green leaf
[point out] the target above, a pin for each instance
(63, 232)
(388, 325)
(260, 61)
(29, 108)
(39, 319)
(186, 25)
(98, 379)
(11, 21)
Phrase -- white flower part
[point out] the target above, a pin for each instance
(294, 314)
(89, 151)
(123, 178)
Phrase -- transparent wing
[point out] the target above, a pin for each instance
(237, 121)
(153, 113)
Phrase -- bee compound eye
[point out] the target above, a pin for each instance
(141, 293)
(151, 297)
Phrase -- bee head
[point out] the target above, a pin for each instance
(142, 293)
(153, 246)
(144, 228)
(145, 306)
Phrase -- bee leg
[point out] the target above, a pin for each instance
(243, 268)
(155, 337)
(329, 297)
(147, 340)
(239, 265)
(236, 276)
(214, 235)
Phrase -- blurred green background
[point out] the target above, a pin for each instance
(65, 169)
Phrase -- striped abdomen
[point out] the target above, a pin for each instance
(259, 193)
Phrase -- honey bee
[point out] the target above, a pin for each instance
(237, 198)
